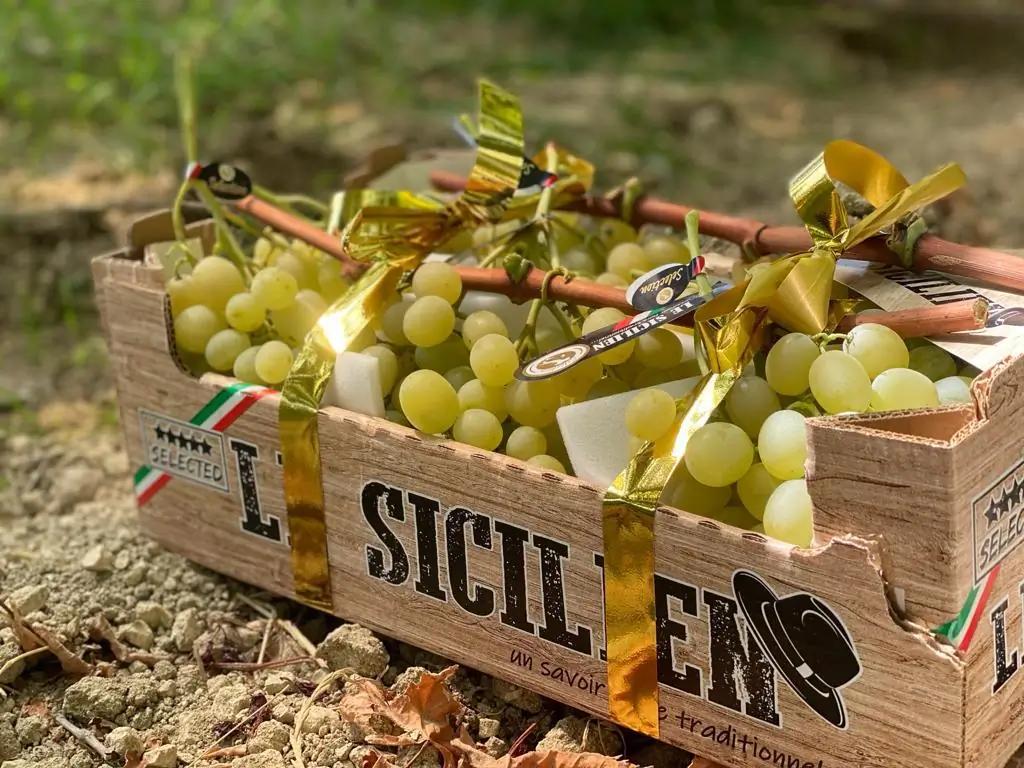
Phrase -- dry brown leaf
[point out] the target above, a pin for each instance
(475, 757)
(427, 706)
(31, 637)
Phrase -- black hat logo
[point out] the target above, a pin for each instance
(808, 645)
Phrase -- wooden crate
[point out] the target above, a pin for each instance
(496, 564)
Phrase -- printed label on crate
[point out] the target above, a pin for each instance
(184, 450)
(998, 519)
(756, 633)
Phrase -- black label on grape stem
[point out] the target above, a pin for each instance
(533, 176)
(225, 180)
(565, 357)
(662, 285)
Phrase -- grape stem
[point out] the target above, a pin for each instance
(824, 339)
(232, 248)
(983, 264)
(291, 202)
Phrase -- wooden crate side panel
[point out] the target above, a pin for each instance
(882, 486)
(433, 543)
(995, 462)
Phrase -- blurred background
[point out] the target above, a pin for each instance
(713, 103)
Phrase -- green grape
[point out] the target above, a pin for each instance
(545, 461)
(262, 252)
(877, 348)
(532, 403)
(736, 516)
(626, 258)
(475, 394)
(437, 278)
(331, 280)
(525, 442)
(789, 362)
(718, 454)
(479, 428)
(224, 347)
(684, 492)
(659, 349)
(615, 231)
(295, 321)
(297, 266)
(755, 487)
(482, 323)
(387, 365)
(244, 312)
(274, 288)
(666, 250)
(579, 260)
(954, 389)
(494, 360)
(578, 380)
(650, 414)
(397, 417)
(556, 446)
(429, 321)
(183, 294)
(934, 362)
(391, 322)
(602, 318)
(459, 375)
(428, 401)
(273, 362)
(839, 383)
(788, 515)
(606, 387)
(217, 280)
(782, 444)
(750, 401)
(194, 326)
(549, 338)
(900, 389)
(450, 353)
(610, 278)
(245, 365)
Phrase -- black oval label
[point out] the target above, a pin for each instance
(225, 180)
(662, 285)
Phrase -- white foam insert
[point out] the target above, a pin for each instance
(595, 433)
(355, 384)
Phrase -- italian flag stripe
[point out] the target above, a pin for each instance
(960, 631)
(217, 415)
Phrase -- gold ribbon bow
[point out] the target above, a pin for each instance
(393, 232)
(794, 292)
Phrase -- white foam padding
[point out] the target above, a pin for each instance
(355, 384)
(595, 433)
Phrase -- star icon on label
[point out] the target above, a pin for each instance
(992, 514)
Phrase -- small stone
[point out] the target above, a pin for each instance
(165, 670)
(496, 747)
(135, 575)
(76, 484)
(230, 700)
(186, 629)
(165, 756)
(10, 746)
(168, 689)
(92, 697)
(269, 735)
(115, 463)
(359, 754)
(571, 734)
(98, 559)
(270, 758)
(124, 741)
(488, 727)
(418, 756)
(276, 683)
(18, 764)
(353, 647)
(520, 698)
(29, 599)
(406, 679)
(31, 729)
(154, 614)
(9, 651)
(137, 667)
(137, 633)
(320, 720)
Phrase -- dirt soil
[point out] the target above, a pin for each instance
(175, 645)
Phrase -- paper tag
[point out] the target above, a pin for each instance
(184, 450)
(894, 288)
(662, 285)
(224, 180)
(565, 357)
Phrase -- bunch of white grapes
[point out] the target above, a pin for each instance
(746, 466)
(249, 322)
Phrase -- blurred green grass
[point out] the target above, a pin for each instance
(98, 73)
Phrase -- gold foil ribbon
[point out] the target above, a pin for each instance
(394, 232)
(794, 292)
